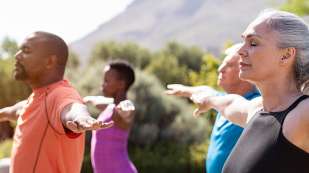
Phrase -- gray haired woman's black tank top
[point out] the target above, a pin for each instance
(262, 148)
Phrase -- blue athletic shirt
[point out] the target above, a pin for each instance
(223, 138)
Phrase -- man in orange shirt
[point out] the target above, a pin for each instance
(50, 123)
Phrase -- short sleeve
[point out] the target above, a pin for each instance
(57, 100)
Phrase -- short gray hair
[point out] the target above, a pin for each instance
(292, 32)
(233, 49)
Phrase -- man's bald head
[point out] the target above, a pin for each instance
(53, 45)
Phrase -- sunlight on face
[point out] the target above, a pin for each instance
(259, 55)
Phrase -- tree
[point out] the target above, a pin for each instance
(300, 7)
(131, 52)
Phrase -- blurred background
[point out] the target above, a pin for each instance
(170, 41)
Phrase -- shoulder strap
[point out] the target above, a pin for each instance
(301, 98)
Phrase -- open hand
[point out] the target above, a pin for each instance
(84, 123)
(125, 109)
(202, 103)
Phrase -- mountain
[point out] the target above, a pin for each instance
(151, 23)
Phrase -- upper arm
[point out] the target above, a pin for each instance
(296, 126)
(59, 104)
(237, 109)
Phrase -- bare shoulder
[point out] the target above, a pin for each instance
(302, 111)
(255, 105)
(296, 125)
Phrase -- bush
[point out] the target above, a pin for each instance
(5, 148)
(163, 118)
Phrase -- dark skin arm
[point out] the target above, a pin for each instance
(11, 113)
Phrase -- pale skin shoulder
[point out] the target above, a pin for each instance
(296, 126)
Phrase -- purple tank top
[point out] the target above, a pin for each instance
(109, 148)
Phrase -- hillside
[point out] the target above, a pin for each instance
(151, 24)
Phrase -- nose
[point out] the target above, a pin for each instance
(18, 55)
(221, 68)
(242, 51)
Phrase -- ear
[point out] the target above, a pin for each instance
(51, 62)
(122, 84)
(288, 55)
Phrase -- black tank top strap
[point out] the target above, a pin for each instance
(300, 99)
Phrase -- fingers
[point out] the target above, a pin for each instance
(84, 124)
(72, 126)
(174, 86)
(196, 112)
(127, 105)
(125, 109)
(106, 124)
(173, 89)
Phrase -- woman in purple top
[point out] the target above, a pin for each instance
(109, 147)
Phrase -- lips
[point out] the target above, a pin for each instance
(243, 65)
(18, 66)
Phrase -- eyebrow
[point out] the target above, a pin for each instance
(250, 35)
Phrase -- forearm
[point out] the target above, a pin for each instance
(232, 107)
(206, 90)
(11, 113)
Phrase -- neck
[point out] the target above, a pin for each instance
(45, 81)
(278, 95)
(120, 97)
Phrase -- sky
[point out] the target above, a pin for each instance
(70, 19)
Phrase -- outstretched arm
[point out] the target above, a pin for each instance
(233, 107)
(100, 102)
(76, 118)
(187, 91)
(11, 113)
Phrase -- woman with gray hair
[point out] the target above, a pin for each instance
(275, 57)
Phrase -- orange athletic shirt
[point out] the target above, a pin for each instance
(40, 142)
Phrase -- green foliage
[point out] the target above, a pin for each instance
(73, 61)
(175, 62)
(163, 158)
(166, 157)
(168, 70)
(8, 48)
(160, 117)
(131, 52)
(5, 148)
(88, 80)
(191, 57)
(300, 7)
(208, 74)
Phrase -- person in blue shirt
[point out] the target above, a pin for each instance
(224, 134)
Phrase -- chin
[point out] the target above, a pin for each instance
(19, 77)
(245, 76)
